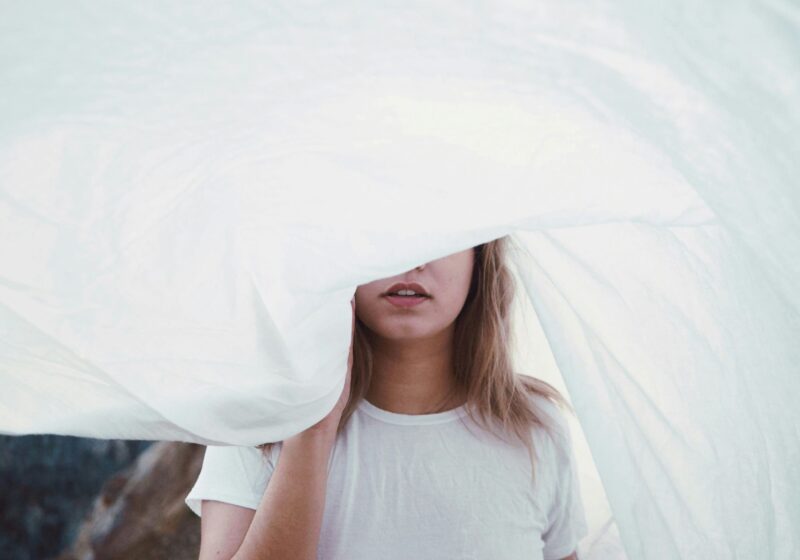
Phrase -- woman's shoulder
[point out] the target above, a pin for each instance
(245, 457)
(554, 427)
(270, 454)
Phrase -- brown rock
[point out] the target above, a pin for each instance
(140, 513)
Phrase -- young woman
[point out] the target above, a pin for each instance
(436, 449)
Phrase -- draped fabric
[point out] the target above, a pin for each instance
(190, 194)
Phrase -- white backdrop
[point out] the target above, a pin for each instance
(190, 195)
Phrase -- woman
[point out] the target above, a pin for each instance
(435, 449)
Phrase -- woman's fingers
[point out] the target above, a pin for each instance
(352, 332)
(353, 306)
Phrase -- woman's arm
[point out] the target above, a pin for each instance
(288, 519)
(287, 522)
(222, 529)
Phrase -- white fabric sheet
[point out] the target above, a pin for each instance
(189, 196)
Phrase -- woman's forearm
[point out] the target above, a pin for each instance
(287, 522)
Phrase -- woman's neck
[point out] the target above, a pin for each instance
(414, 377)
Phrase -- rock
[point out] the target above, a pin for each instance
(140, 512)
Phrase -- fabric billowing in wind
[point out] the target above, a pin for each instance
(189, 196)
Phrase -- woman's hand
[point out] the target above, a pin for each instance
(330, 423)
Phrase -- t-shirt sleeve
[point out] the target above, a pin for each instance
(566, 520)
(233, 474)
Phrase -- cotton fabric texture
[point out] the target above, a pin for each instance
(189, 196)
(424, 486)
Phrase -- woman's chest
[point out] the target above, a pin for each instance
(432, 502)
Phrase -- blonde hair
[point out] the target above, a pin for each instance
(482, 357)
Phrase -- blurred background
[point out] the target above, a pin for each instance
(70, 498)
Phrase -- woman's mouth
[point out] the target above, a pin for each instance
(406, 301)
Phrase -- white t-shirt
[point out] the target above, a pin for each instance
(430, 486)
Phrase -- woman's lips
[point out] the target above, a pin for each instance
(406, 301)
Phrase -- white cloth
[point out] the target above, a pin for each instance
(427, 486)
(189, 196)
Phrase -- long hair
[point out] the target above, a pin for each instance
(496, 395)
